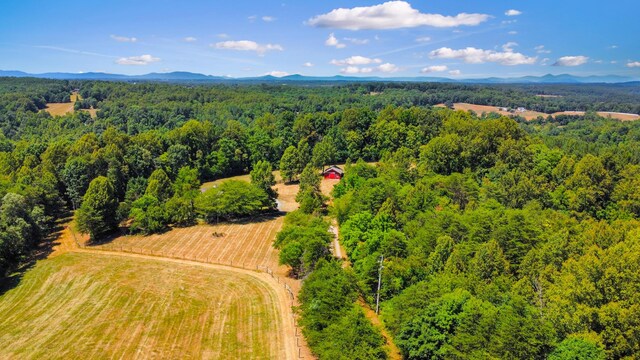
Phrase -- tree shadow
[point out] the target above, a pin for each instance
(9, 282)
(108, 238)
(41, 251)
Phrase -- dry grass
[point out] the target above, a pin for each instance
(606, 114)
(58, 109)
(93, 306)
(245, 244)
(481, 109)
(531, 115)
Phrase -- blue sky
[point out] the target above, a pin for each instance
(445, 38)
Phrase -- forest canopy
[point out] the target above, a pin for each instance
(501, 238)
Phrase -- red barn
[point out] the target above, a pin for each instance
(333, 172)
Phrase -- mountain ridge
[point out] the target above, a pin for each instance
(186, 76)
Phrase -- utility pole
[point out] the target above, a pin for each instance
(379, 281)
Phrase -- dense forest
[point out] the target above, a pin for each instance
(501, 238)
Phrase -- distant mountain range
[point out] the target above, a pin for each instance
(183, 76)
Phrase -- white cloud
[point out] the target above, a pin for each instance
(507, 22)
(332, 40)
(247, 45)
(351, 70)
(356, 60)
(545, 61)
(356, 70)
(455, 72)
(614, 61)
(268, 18)
(434, 68)
(223, 35)
(541, 50)
(388, 68)
(509, 46)
(423, 39)
(124, 38)
(252, 18)
(383, 68)
(478, 56)
(513, 12)
(137, 60)
(613, 47)
(277, 73)
(190, 39)
(512, 32)
(308, 64)
(633, 64)
(571, 61)
(357, 41)
(390, 15)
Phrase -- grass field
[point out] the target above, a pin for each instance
(57, 109)
(531, 115)
(161, 296)
(481, 109)
(606, 114)
(94, 306)
(244, 244)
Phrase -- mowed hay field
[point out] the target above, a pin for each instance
(57, 109)
(481, 109)
(531, 115)
(606, 114)
(246, 244)
(94, 306)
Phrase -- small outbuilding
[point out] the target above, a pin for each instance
(333, 172)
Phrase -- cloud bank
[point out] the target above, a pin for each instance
(390, 15)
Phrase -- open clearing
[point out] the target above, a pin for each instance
(188, 293)
(532, 115)
(59, 109)
(88, 305)
(606, 114)
(245, 244)
(484, 109)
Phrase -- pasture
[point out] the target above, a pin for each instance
(95, 306)
(245, 244)
(531, 115)
(606, 114)
(482, 109)
(57, 109)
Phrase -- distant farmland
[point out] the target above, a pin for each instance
(531, 115)
(88, 306)
(59, 109)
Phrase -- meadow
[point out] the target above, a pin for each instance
(88, 305)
